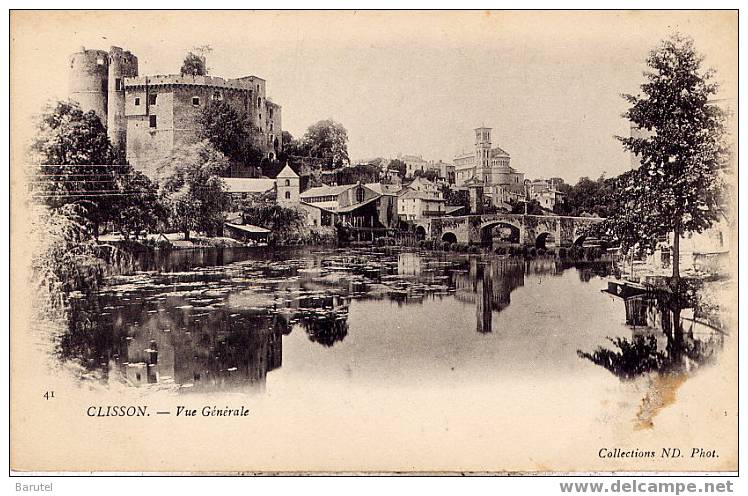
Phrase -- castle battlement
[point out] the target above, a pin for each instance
(246, 83)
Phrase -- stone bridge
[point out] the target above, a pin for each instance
(530, 230)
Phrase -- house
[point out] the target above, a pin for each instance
(241, 188)
(370, 206)
(415, 205)
(423, 185)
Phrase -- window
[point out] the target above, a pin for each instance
(152, 120)
(195, 101)
(288, 194)
(152, 99)
(100, 61)
(259, 102)
(288, 182)
(359, 195)
(217, 96)
(137, 101)
(118, 84)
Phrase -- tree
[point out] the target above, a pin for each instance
(140, 208)
(230, 132)
(399, 166)
(429, 174)
(192, 189)
(77, 163)
(328, 140)
(678, 187)
(283, 221)
(456, 197)
(363, 173)
(194, 63)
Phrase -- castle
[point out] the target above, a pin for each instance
(147, 116)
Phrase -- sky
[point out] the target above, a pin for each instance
(548, 83)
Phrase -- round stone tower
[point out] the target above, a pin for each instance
(122, 64)
(88, 80)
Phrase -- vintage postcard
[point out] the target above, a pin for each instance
(374, 241)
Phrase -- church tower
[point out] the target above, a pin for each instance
(483, 154)
(287, 187)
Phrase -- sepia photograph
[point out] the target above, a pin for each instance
(374, 242)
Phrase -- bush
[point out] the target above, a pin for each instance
(541, 252)
(445, 246)
(524, 251)
(533, 252)
(474, 249)
(562, 253)
(551, 253)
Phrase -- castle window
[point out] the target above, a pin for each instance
(152, 121)
(195, 101)
(288, 195)
(217, 96)
(259, 102)
(271, 112)
(100, 61)
(118, 84)
(152, 99)
(137, 101)
(288, 182)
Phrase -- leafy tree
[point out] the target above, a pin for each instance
(399, 166)
(678, 187)
(363, 173)
(430, 174)
(533, 207)
(140, 208)
(456, 197)
(327, 140)
(283, 221)
(77, 163)
(192, 189)
(194, 64)
(230, 132)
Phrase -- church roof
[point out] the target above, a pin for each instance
(498, 152)
(287, 171)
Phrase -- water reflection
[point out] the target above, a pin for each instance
(202, 321)
(671, 333)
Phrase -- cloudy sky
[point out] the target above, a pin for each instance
(547, 83)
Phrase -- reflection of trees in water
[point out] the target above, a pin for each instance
(325, 330)
(86, 339)
(685, 348)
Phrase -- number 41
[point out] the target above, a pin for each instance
(49, 395)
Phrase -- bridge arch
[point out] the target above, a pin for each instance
(449, 237)
(545, 240)
(508, 232)
(420, 233)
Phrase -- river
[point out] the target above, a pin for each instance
(403, 353)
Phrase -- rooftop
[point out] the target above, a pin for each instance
(248, 185)
(326, 190)
(287, 171)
